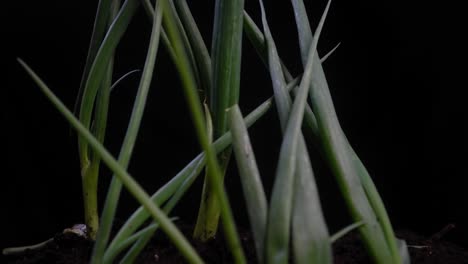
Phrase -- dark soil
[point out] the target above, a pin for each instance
(433, 250)
(65, 248)
(68, 248)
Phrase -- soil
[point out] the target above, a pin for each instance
(71, 249)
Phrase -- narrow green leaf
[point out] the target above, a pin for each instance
(144, 239)
(113, 252)
(188, 175)
(250, 178)
(278, 234)
(181, 182)
(116, 83)
(208, 213)
(148, 7)
(226, 65)
(200, 52)
(99, 30)
(135, 250)
(99, 67)
(325, 57)
(186, 42)
(132, 186)
(345, 231)
(310, 233)
(168, 206)
(103, 94)
(381, 243)
(90, 170)
(310, 236)
(175, 188)
(257, 39)
(226, 59)
(91, 174)
(193, 100)
(303, 28)
(255, 35)
(21, 250)
(144, 236)
(126, 150)
(145, 232)
(102, 109)
(401, 254)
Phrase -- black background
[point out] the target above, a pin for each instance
(395, 81)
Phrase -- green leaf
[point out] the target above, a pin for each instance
(90, 170)
(250, 178)
(126, 150)
(99, 30)
(255, 35)
(90, 175)
(113, 252)
(191, 93)
(325, 57)
(257, 39)
(226, 60)
(180, 183)
(400, 255)
(173, 189)
(293, 151)
(224, 92)
(381, 243)
(186, 42)
(345, 231)
(208, 213)
(99, 67)
(144, 232)
(200, 52)
(169, 205)
(132, 186)
(310, 233)
(148, 7)
(144, 236)
(116, 83)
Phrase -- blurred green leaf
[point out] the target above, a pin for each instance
(281, 206)
(250, 178)
(345, 231)
(380, 243)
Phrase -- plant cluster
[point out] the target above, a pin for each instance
(292, 218)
